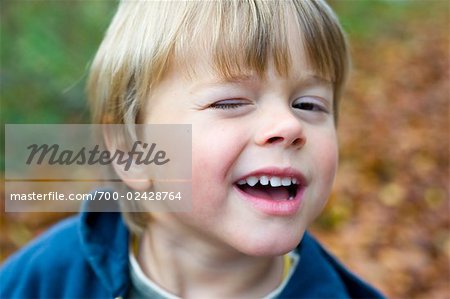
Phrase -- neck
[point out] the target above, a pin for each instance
(192, 268)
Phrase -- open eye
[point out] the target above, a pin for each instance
(310, 104)
(229, 104)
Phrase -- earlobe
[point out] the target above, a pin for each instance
(121, 149)
(133, 178)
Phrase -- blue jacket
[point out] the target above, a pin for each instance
(86, 256)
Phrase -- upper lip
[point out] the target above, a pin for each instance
(277, 172)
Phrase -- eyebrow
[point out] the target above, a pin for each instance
(220, 81)
(311, 79)
(306, 79)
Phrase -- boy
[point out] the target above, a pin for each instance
(259, 81)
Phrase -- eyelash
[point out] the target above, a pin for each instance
(225, 106)
(228, 104)
(310, 106)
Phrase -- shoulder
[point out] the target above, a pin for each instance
(44, 267)
(51, 246)
(320, 275)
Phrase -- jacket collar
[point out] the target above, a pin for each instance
(104, 242)
(320, 275)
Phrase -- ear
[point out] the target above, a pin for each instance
(123, 147)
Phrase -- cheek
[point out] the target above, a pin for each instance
(214, 152)
(328, 162)
(325, 161)
(326, 158)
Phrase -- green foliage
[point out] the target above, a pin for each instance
(371, 20)
(45, 50)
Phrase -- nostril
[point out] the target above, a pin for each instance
(275, 139)
(298, 142)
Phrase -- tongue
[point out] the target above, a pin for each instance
(267, 192)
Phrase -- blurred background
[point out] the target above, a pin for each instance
(388, 217)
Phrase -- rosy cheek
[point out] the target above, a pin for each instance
(331, 159)
(328, 161)
(206, 169)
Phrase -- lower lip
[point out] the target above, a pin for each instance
(275, 207)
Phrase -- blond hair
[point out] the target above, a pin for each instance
(145, 38)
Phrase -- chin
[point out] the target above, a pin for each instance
(275, 246)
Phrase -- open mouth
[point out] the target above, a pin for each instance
(270, 188)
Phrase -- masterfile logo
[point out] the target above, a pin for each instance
(141, 153)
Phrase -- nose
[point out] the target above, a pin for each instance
(282, 128)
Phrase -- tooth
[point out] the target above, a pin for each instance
(264, 180)
(241, 182)
(275, 181)
(251, 181)
(286, 181)
(294, 181)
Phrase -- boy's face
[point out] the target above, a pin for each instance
(243, 130)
